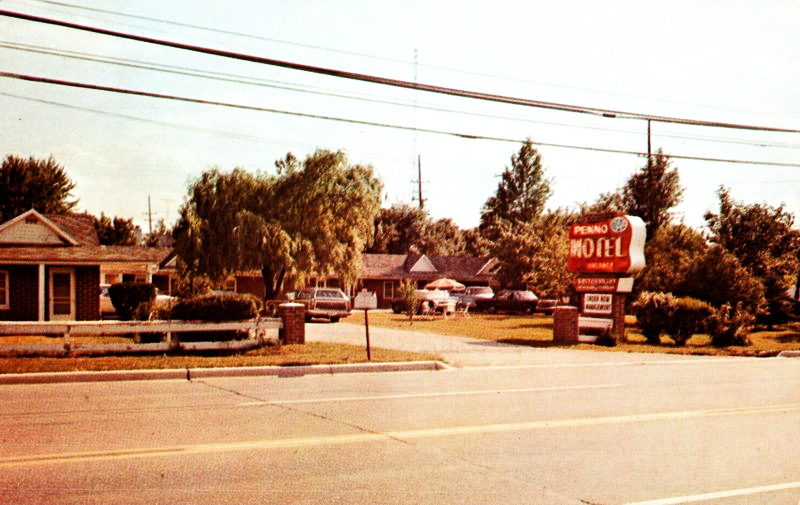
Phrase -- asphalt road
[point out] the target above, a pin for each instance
(553, 428)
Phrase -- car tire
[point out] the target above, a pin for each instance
(334, 319)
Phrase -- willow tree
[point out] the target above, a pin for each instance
(312, 218)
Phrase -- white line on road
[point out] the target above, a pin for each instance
(676, 361)
(429, 395)
(719, 494)
(328, 440)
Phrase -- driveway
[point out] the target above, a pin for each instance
(470, 352)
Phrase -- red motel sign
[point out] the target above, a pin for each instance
(610, 245)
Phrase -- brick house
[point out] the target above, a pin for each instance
(51, 267)
(383, 273)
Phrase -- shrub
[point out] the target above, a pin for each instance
(653, 311)
(680, 318)
(128, 296)
(688, 316)
(729, 326)
(719, 278)
(407, 293)
(217, 308)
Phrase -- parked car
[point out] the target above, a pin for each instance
(437, 299)
(473, 293)
(508, 300)
(547, 305)
(326, 303)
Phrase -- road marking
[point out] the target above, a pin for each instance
(719, 494)
(677, 361)
(429, 395)
(90, 456)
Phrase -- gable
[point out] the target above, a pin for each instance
(423, 264)
(32, 228)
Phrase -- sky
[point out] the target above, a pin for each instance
(722, 61)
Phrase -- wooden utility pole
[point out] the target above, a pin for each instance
(419, 182)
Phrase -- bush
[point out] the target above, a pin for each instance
(680, 318)
(652, 312)
(127, 297)
(719, 278)
(217, 308)
(688, 316)
(729, 326)
(407, 294)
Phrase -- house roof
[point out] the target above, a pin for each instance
(88, 255)
(414, 266)
(420, 267)
(78, 226)
(33, 238)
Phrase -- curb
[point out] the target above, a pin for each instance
(789, 354)
(202, 373)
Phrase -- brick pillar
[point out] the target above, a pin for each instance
(565, 325)
(294, 323)
(618, 316)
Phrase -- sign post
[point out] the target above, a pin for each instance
(366, 300)
(605, 250)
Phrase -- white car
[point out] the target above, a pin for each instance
(474, 293)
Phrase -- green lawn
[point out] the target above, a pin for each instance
(311, 353)
(537, 331)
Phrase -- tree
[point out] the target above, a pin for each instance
(398, 228)
(670, 253)
(534, 256)
(313, 218)
(444, 238)
(521, 194)
(160, 237)
(402, 226)
(718, 278)
(475, 244)
(120, 231)
(761, 237)
(33, 184)
(649, 193)
(652, 191)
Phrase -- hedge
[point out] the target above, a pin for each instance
(128, 296)
(216, 308)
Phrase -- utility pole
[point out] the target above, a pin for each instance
(419, 182)
(649, 147)
(149, 215)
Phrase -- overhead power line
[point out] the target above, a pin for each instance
(395, 82)
(254, 81)
(74, 84)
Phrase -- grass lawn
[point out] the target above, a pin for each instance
(537, 331)
(311, 353)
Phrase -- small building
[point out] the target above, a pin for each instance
(383, 273)
(51, 267)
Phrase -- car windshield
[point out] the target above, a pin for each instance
(305, 294)
(482, 291)
(526, 295)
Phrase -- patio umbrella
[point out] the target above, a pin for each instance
(446, 284)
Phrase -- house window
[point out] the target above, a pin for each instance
(388, 290)
(4, 298)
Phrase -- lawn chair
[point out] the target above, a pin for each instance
(462, 311)
(426, 310)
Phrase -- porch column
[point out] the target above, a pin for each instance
(42, 301)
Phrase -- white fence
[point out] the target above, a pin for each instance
(260, 332)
